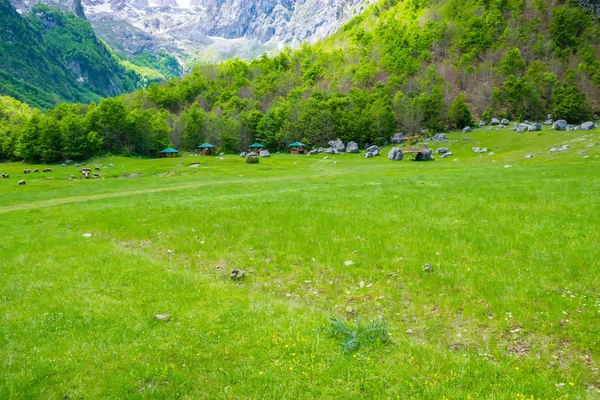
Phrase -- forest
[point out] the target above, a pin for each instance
(409, 66)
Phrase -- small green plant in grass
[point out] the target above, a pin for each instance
(357, 333)
(252, 160)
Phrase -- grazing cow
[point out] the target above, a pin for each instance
(85, 175)
(96, 176)
(21, 183)
(26, 171)
(5, 176)
(48, 170)
(36, 170)
(98, 168)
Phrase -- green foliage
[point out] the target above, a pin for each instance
(459, 114)
(567, 26)
(358, 333)
(569, 103)
(513, 63)
(252, 160)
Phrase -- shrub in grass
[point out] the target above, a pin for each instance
(357, 333)
(252, 160)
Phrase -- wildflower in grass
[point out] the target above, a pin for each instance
(517, 368)
(260, 372)
(313, 357)
(291, 368)
(571, 383)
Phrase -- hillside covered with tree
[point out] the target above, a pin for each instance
(401, 66)
(48, 57)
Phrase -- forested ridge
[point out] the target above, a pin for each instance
(407, 66)
(48, 57)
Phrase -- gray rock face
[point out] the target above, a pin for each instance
(560, 125)
(586, 126)
(338, 145)
(264, 153)
(467, 129)
(441, 150)
(505, 121)
(352, 147)
(395, 154)
(222, 28)
(495, 121)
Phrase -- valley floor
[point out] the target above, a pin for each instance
(511, 309)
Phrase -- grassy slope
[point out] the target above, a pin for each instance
(511, 247)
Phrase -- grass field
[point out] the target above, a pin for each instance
(511, 309)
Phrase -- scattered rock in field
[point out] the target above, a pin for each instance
(352, 147)
(476, 149)
(361, 284)
(162, 317)
(170, 251)
(530, 155)
(483, 150)
(507, 166)
(314, 151)
(441, 150)
(560, 125)
(397, 138)
(368, 155)
(427, 268)
(243, 154)
(87, 235)
(548, 120)
(349, 262)
(586, 126)
(395, 154)
(265, 153)
(237, 274)
(252, 154)
(349, 310)
(326, 158)
(505, 121)
(439, 137)
(130, 176)
(331, 150)
(448, 154)
(111, 165)
(409, 331)
(337, 145)
(495, 121)
(467, 129)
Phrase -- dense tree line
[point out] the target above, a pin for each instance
(401, 66)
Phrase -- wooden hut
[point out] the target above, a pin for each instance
(257, 147)
(169, 153)
(297, 148)
(207, 149)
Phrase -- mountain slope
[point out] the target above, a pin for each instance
(220, 29)
(406, 66)
(48, 57)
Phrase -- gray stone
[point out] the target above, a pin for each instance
(530, 155)
(338, 145)
(482, 123)
(252, 154)
(441, 150)
(427, 268)
(560, 125)
(439, 137)
(483, 150)
(243, 154)
(424, 156)
(397, 138)
(110, 165)
(237, 274)
(466, 129)
(495, 121)
(448, 154)
(586, 126)
(372, 149)
(395, 154)
(314, 151)
(476, 149)
(264, 153)
(368, 155)
(352, 147)
(505, 122)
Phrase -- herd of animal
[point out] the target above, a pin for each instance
(86, 173)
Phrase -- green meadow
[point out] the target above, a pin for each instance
(510, 310)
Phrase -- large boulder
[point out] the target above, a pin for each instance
(439, 137)
(495, 121)
(442, 150)
(424, 155)
(331, 150)
(482, 123)
(560, 125)
(368, 154)
(338, 145)
(252, 154)
(352, 147)
(534, 127)
(504, 121)
(397, 138)
(586, 126)
(467, 129)
(548, 120)
(395, 154)
(372, 149)
(476, 149)
(243, 154)
(264, 153)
